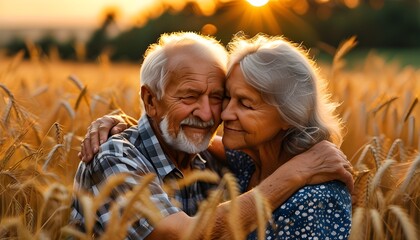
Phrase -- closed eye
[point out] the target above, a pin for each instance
(189, 99)
(216, 99)
(247, 104)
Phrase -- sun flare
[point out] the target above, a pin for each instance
(258, 3)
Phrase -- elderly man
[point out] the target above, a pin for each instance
(182, 91)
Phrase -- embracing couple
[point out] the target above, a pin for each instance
(280, 138)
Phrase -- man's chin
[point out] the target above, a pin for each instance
(194, 145)
(201, 139)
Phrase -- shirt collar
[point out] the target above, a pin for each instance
(157, 156)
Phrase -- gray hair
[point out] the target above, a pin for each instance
(288, 80)
(155, 70)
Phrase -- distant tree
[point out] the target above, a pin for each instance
(393, 25)
(15, 45)
(46, 43)
(130, 45)
(99, 39)
(67, 49)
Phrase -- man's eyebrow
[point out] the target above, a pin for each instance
(217, 94)
(218, 91)
(191, 90)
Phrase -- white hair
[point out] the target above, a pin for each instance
(155, 72)
(288, 80)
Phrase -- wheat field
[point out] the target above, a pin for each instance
(46, 105)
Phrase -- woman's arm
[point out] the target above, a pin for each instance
(322, 163)
(100, 130)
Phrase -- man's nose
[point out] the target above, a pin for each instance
(203, 110)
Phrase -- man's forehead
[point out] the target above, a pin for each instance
(188, 76)
(188, 65)
(211, 71)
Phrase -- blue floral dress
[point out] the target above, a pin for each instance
(320, 211)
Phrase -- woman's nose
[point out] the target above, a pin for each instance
(228, 111)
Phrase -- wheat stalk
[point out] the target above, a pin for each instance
(377, 143)
(415, 165)
(358, 226)
(71, 231)
(363, 155)
(136, 195)
(384, 105)
(34, 52)
(22, 232)
(66, 105)
(11, 103)
(410, 109)
(28, 215)
(194, 176)
(342, 50)
(377, 223)
(50, 155)
(81, 96)
(397, 142)
(409, 228)
(379, 174)
(11, 149)
(116, 228)
(54, 192)
(411, 130)
(39, 91)
(206, 213)
(233, 218)
(15, 61)
(263, 213)
(74, 79)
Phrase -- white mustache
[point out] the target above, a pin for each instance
(194, 122)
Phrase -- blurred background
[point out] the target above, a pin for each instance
(83, 30)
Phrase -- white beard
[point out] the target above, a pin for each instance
(181, 142)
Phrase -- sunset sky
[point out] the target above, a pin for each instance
(65, 13)
(30, 18)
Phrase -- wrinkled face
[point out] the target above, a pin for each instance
(249, 121)
(189, 111)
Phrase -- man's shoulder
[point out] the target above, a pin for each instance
(119, 151)
(119, 144)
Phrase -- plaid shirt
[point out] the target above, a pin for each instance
(137, 151)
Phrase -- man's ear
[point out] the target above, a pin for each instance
(149, 101)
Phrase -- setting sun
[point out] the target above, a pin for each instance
(258, 3)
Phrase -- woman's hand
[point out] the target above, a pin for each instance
(322, 163)
(98, 132)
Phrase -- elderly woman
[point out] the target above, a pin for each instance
(275, 108)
